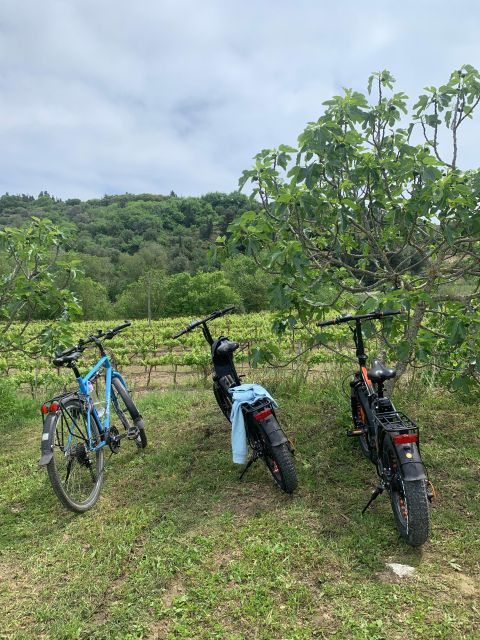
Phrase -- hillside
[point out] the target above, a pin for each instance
(118, 238)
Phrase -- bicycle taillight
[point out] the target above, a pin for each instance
(405, 438)
(263, 414)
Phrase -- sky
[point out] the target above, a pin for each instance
(113, 96)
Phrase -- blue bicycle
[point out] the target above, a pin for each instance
(77, 428)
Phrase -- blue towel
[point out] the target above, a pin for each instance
(243, 394)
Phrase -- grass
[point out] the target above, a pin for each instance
(177, 547)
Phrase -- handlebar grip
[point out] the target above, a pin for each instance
(393, 312)
(338, 320)
(325, 323)
(193, 325)
(112, 332)
(121, 326)
(375, 315)
(180, 333)
(196, 323)
(227, 310)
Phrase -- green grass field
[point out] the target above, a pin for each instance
(177, 547)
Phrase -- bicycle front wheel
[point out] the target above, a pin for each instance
(409, 501)
(128, 413)
(359, 419)
(75, 472)
(223, 400)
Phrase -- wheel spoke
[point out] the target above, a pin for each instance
(75, 471)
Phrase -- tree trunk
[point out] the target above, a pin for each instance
(410, 336)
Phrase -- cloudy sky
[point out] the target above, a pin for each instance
(110, 96)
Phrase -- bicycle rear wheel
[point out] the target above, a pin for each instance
(279, 461)
(75, 472)
(128, 413)
(409, 501)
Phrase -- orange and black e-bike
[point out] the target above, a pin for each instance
(388, 438)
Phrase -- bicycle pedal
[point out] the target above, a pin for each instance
(132, 433)
(354, 433)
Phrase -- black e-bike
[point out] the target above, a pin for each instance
(264, 433)
(389, 439)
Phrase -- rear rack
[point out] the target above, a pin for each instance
(395, 421)
(258, 405)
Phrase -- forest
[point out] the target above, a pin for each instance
(137, 255)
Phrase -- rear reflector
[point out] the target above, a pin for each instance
(44, 409)
(263, 414)
(405, 438)
(54, 407)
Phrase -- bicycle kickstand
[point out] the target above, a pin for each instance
(253, 459)
(376, 492)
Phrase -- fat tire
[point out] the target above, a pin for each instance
(414, 528)
(283, 458)
(221, 401)
(53, 473)
(134, 413)
(362, 440)
(416, 532)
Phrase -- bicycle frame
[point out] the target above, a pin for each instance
(381, 417)
(103, 426)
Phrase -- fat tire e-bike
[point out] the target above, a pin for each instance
(264, 434)
(389, 439)
(77, 428)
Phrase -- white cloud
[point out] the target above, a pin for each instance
(108, 96)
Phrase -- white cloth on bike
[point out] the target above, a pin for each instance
(243, 394)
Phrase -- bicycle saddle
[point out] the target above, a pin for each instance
(59, 361)
(226, 347)
(378, 372)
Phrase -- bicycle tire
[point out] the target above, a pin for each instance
(362, 440)
(130, 408)
(75, 457)
(409, 502)
(222, 400)
(279, 461)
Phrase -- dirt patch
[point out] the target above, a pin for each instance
(465, 585)
(175, 588)
(14, 588)
(248, 500)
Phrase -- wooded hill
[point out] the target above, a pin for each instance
(118, 239)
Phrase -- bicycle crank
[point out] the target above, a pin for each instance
(114, 440)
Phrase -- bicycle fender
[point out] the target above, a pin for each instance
(411, 462)
(46, 446)
(273, 430)
(138, 422)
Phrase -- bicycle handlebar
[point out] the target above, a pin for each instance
(196, 323)
(82, 343)
(348, 318)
